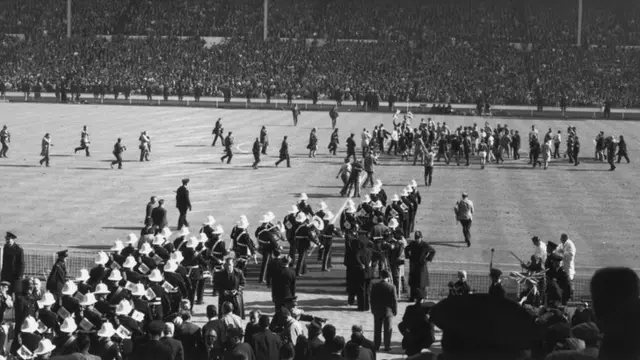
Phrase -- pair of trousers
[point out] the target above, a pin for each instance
(362, 295)
(118, 161)
(182, 219)
(284, 157)
(45, 159)
(228, 154)
(5, 148)
(83, 147)
(266, 259)
(256, 159)
(301, 265)
(325, 254)
(382, 323)
(428, 175)
(466, 229)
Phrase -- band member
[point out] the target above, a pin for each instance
(228, 148)
(328, 233)
(217, 249)
(195, 264)
(243, 245)
(5, 139)
(290, 226)
(284, 153)
(229, 284)
(267, 235)
(145, 146)
(295, 112)
(84, 142)
(217, 131)
(379, 235)
(396, 247)
(333, 114)
(304, 206)
(45, 145)
(306, 234)
(207, 227)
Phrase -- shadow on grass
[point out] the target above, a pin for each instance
(129, 228)
(193, 146)
(454, 244)
(60, 155)
(91, 168)
(19, 165)
(319, 196)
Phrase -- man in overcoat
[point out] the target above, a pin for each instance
(229, 285)
(419, 254)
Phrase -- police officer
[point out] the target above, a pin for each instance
(12, 261)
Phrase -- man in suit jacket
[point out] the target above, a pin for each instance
(265, 344)
(215, 324)
(190, 335)
(154, 349)
(175, 345)
(150, 205)
(159, 215)
(384, 306)
(183, 203)
(282, 280)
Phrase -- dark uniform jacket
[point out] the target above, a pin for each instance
(12, 263)
(283, 282)
(182, 198)
(57, 278)
(153, 350)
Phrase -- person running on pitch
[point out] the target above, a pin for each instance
(5, 139)
(118, 149)
(84, 142)
(482, 151)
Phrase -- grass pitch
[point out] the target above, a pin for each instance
(79, 201)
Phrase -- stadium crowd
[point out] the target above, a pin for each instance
(545, 21)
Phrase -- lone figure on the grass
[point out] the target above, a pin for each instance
(84, 142)
(145, 146)
(257, 147)
(5, 139)
(464, 214)
(295, 112)
(228, 148)
(46, 144)
(183, 203)
(284, 153)
(118, 149)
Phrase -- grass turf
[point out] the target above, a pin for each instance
(81, 202)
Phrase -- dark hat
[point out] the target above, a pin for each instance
(587, 331)
(555, 257)
(551, 246)
(384, 274)
(483, 323)
(336, 344)
(535, 238)
(314, 328)
(185, 181)
(11, 235)
(63, 253)
(356, 328)
(235, 332)
(5, 283)
(558, 332)
(495, 272)
(156, 327)
(290, 299)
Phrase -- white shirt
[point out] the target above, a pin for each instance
(557, 138)
(568, 252)
(394, 135)
(541, 251)
(533, 134)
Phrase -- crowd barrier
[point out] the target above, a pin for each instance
(38, 263)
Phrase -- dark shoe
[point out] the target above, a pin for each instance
(111, 166)
(468, 243)
(276, 164)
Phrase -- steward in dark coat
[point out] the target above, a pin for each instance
(419, 253)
